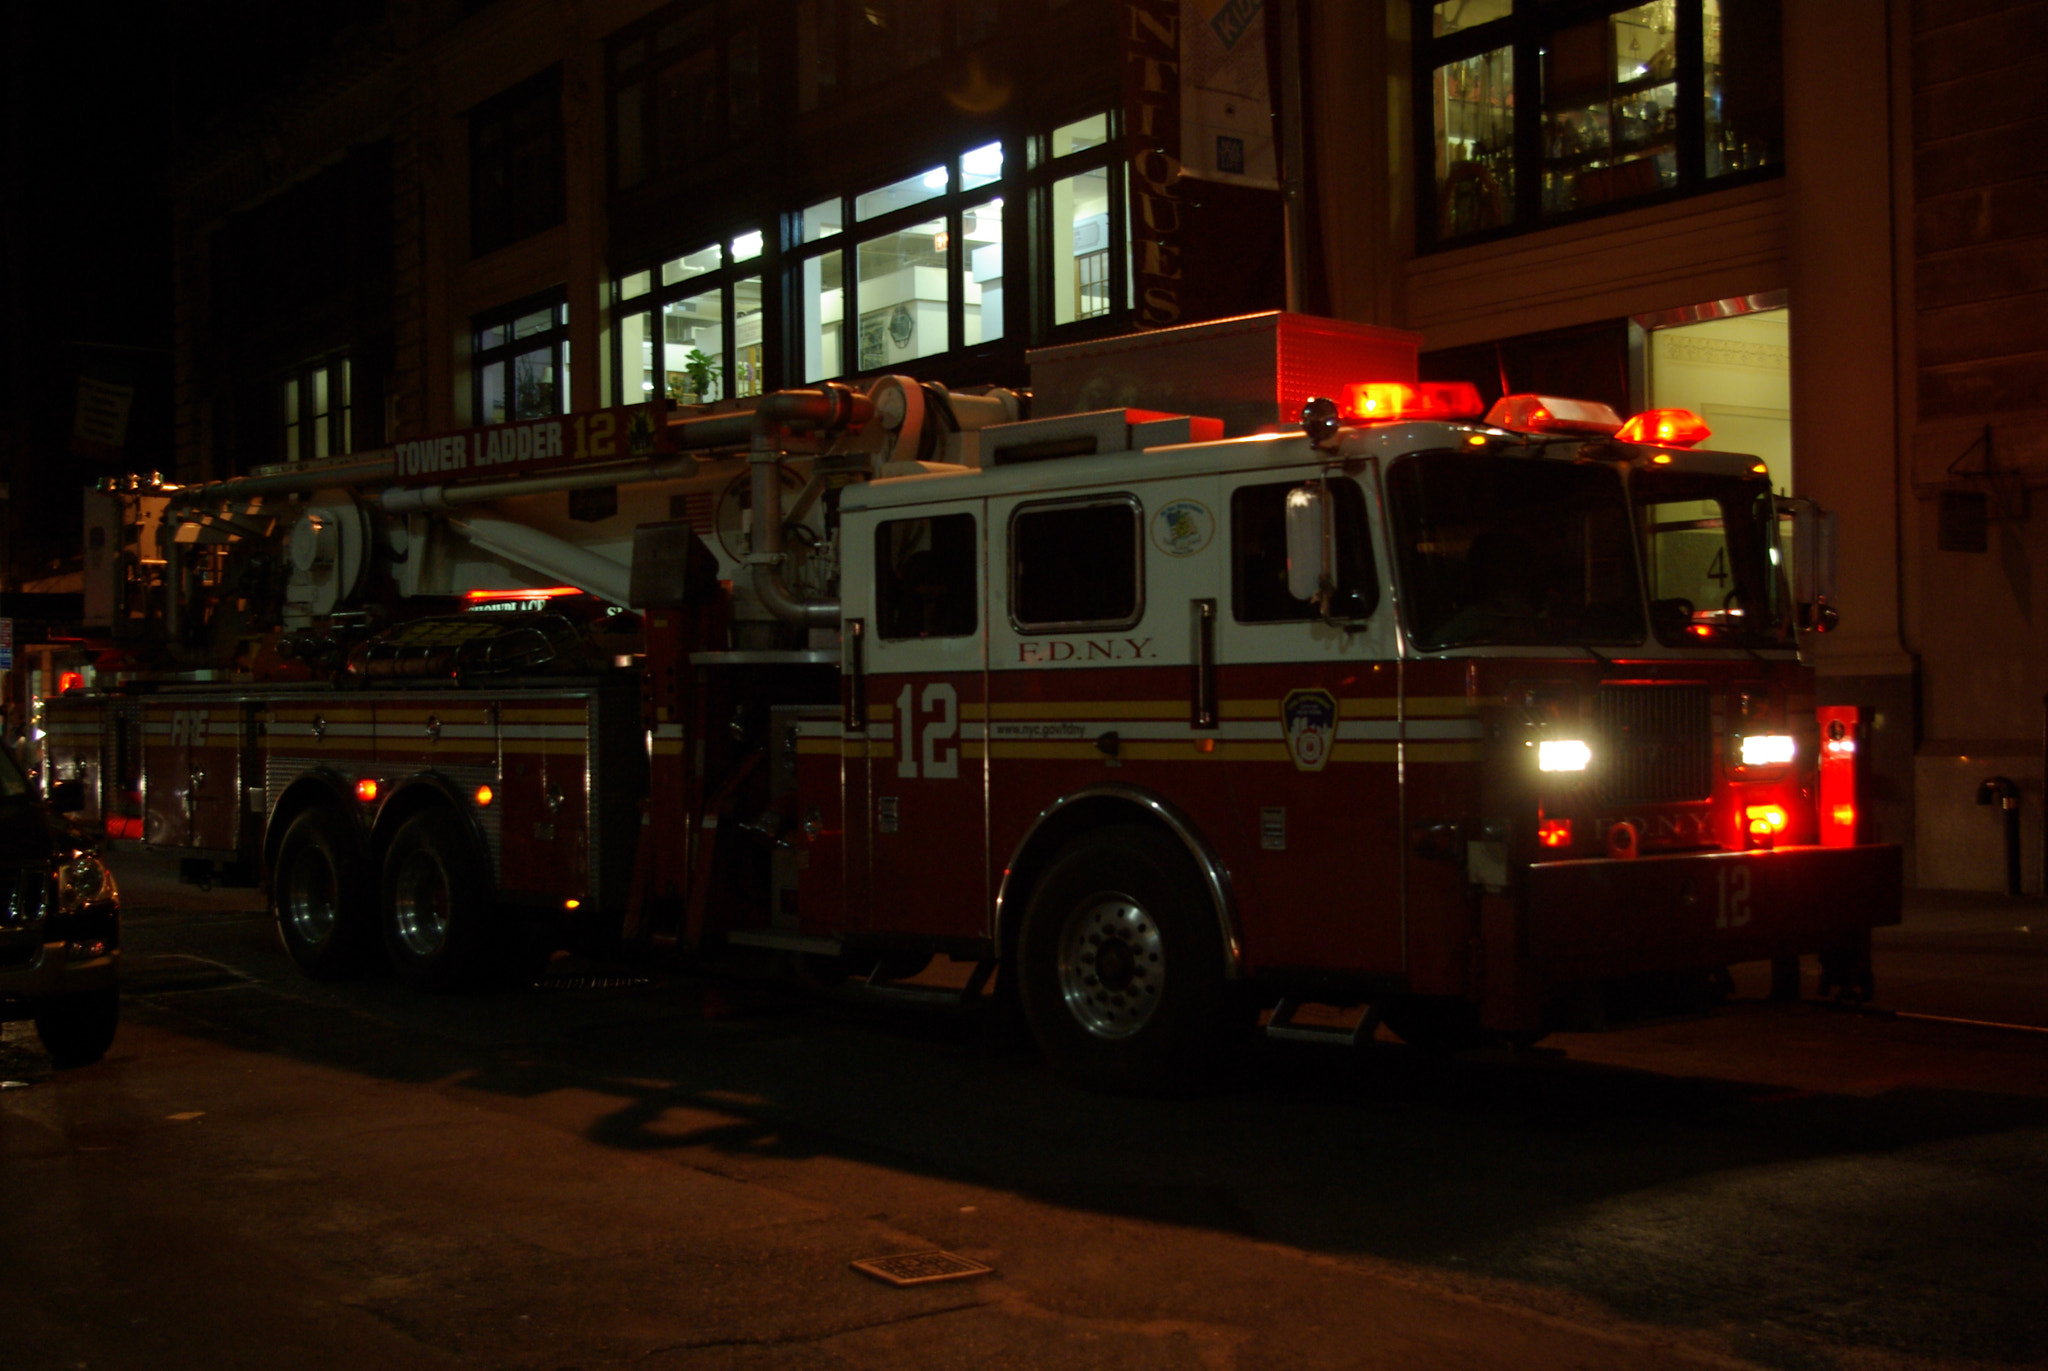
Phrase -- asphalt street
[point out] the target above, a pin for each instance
(645, 1168)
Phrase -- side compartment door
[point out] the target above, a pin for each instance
(917, 792)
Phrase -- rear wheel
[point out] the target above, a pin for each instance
(78, 1029)
(1122, 968)
(436, 915)
(321, 897)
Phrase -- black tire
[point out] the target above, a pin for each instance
(1122, 970)
(436, 914)
(78, 1029)
(320, 895)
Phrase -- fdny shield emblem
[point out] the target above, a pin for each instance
(1309, 718)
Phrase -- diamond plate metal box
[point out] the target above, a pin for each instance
(1251, 372)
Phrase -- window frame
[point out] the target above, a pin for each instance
(520, 129)
(764, 266)
(296, 422)
(1124, 500)
(890, 584)
(555, 337)
(1526, 34)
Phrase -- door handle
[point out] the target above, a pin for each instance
(1202, 710)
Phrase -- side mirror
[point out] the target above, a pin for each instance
(67, 797)
(1311, 538)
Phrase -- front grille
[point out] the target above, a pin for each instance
(1657, 743)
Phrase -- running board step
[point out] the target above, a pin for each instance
(1281, 1025)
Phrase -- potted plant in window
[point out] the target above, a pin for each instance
(703, 373)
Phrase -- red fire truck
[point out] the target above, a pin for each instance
(1245, 671)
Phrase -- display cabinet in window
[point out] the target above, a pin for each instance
(1610, 109)
(1474, 107)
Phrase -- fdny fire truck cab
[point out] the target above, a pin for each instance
(1253, 673)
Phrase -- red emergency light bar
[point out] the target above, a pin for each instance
(538, 593)
(1553, 414)
(1670, 427)
(1382, 401)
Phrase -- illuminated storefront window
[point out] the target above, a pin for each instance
(1538, 113)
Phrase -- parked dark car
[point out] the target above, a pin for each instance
(60, 922)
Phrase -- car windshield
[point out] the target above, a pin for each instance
(1513, 551)
(1711, 559)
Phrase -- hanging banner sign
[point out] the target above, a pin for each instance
(534, 445)
(1205, 220)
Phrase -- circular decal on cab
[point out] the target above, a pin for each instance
(1183, 528)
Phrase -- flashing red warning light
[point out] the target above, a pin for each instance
(366, 789)
(1380, 401)
(1553, 414)
(1765, 818)
(1554, 832)
(537, 593)
(1671, 427)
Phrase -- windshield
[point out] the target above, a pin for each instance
(1513, 551)
(1710, 556)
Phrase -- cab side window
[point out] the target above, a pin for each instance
(1075, 565)
(925, 577)
(1258, 549)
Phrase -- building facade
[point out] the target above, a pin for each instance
(1815, 221)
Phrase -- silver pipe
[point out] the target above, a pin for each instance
(408, 499)
(549, 555)
(765, 558)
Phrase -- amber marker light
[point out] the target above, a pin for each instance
(484, 796)
(572, 904)
(366, 789)
(1205, 745)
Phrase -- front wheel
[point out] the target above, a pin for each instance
(78, 1029)
(435, 913)
(1122, 967)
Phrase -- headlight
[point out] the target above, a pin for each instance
(82, 881)
(1767, 749)
(1563, 754)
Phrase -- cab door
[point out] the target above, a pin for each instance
(917, 791)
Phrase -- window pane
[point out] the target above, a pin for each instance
(821, 220)
(493, 407)
(743, 72)
(322, 438)
(1474, 101)
(1258, 541)
(912, 190)
(746, 247)
(636, 358)
(629, 140)
(492, 337)
(636, 285)
(1745, 123)
(981, 166)
(345, 428)
(1610, 112)
(341, 383)
(540, 321)
(291, 400)
(981, 272)
(817, 50)
(291, 442)
(746, 336)
(533, 384)
(694, 355)
(1080, 246)
(903, 296)
(1091, 132)
(686, 107)
(824, 306)
(1455, 16)
(698, 263)
(1074, 565)
(925, 577)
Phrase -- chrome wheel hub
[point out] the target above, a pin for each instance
(310, 901)
(419, 905)
(1112, 966)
